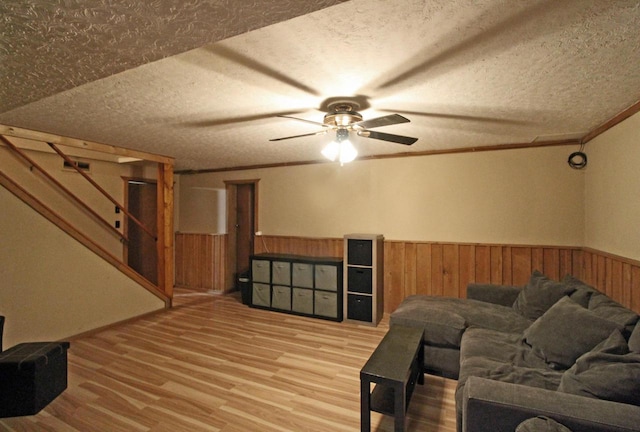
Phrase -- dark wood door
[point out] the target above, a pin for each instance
(142, 254)
(244, 225)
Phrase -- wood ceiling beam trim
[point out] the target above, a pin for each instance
(86, 145)
(393, 155)
(625, 114)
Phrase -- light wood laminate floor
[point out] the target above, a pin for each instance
(214, 364)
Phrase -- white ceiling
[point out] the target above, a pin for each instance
(204, 81)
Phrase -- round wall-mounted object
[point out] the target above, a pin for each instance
(577, 160)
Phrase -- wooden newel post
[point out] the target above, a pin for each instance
(165, 229)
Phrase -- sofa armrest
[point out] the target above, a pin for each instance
(495, 406)
(503, 295)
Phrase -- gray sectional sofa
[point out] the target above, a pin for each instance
(559, 351)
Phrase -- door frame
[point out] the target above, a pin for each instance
(126, 224)
(231, 187)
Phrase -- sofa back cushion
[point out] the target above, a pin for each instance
(583, 292)
(609, 372)
(539, 295)
(603, 306)
(608, 309)
(565, 332)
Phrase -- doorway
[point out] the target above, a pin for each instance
(141, 250)
(242, 222)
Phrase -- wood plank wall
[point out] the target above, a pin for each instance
(316, 247)
(445, 269)
(617, 277)
(200, 261)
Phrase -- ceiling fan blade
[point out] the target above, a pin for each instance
(234, 120)
(387, 120)
(470, 118)
(255, 65)
(398, 139)
(304, 120)
(495, 37)
(300, 136)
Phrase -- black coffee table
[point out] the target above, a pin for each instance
(395, 366)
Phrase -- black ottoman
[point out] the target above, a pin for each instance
(31, 376)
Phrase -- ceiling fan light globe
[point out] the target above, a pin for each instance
(331, 151)
(347, 152)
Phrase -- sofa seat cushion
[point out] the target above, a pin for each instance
(500, 346)
(502, 356)
(442, 361)
(505, 372)
(445, 319)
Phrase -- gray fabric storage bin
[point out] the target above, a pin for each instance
(326, 277)
(261, 295)
(281, 273)
(261, 271)
(325, 303)
(281, 297)
(302, 300)
(302, 275)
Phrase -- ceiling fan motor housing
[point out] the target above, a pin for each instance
(342, 115)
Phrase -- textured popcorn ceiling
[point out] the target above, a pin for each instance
(202, 81)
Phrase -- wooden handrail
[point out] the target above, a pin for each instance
(103, 192)
(63, 188)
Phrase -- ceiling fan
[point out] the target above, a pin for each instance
(343, 118)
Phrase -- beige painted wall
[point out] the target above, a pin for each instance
(525, 196)
(202, 210)
(52, 287)
(612, 190)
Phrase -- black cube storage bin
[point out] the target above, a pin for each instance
(359, 308)
(32, 375)
(359, 280)
(360, 252)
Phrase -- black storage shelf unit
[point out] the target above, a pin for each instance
(297, 284)
(363, 278)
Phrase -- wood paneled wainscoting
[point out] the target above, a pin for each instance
(200, 261)
(616, 276)
(445, 269)
(432, 268)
